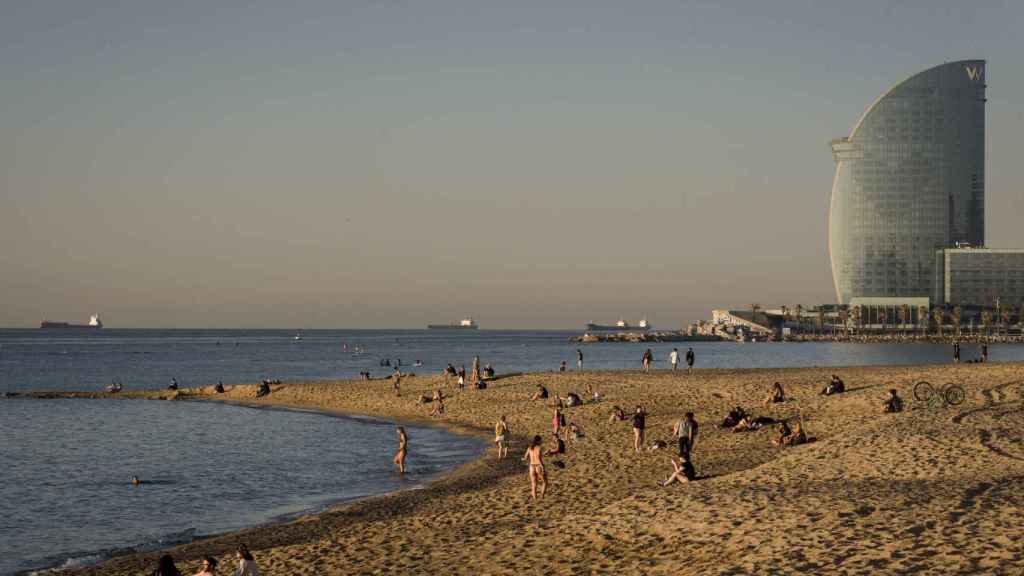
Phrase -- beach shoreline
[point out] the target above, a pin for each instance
(608, 498)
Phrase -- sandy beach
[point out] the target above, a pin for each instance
(932, 490)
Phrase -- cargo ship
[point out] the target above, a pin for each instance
(465, 324)
(94, 324)
(620, 326)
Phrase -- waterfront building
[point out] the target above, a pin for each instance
(979, 277)
(909, 180)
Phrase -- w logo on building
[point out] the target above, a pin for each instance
(974, 72)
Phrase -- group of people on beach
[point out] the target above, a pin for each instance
(246, 565)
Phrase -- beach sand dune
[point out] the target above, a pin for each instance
(933, 490)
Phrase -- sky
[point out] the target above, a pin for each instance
(390, 164)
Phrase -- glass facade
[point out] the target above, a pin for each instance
(980, 277)
(910, 179)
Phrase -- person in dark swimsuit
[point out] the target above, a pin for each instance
(639, 423)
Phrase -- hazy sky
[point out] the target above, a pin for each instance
(389, 164)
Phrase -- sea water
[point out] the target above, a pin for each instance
(65, 465)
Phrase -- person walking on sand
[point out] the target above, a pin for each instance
(397, 380)
(639, 423)
(579, 359)
(686, 431)
(690, 359)
(673, 358)
(501, 437)
(557, 420)
(535, 459)
(403, 450)
(246, 563)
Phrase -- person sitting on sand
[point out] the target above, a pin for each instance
(733, 418)
(501, 437)
(173, 385)
(488, 371)
(561, 367)
(836, 386)
(403, 450)
(557, 446)
(682, 471)
(438, 403)
(165, 567)
(246, 563)
(540, 394)
(893, 404)
(775, 395)
(535, 459)
(573, 399)
(574, 432)
(219, 388)
(617, 415)
(794, 438)
(263, 390)
(209, 567)
(782, 434)
(595, 397)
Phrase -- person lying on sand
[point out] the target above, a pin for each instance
(893, 404)
(617, 415)
(782, 433)
(574, 432)
(657, 445)
(535, 459)
(682, 471)
(540, 394)
(749, 423)
(557, 446)
(734, 416)
(775, 395)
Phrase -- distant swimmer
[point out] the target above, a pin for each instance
(418, 363)
(136, 481)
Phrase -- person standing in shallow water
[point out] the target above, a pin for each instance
(579, 359)
(646, 361)
(403, 450)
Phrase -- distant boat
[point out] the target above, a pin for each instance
(465, 324)
(620, 326)
(94, 324)
(297, 337)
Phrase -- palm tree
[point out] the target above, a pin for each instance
(1004, 318)
(799, 317)
(957, 314)
(903, 313)
(754, 308)
(821, 319)
(940, 318)
(857, 316)
(844, 318)
(986, 319)
(922, 318)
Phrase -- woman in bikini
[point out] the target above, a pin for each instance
(501, 437)
(639, 422)
(775, 395)
(534, 458)
(403, 450)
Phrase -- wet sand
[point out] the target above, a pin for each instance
(930, 490)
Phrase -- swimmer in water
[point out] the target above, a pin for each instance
(136, 481)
